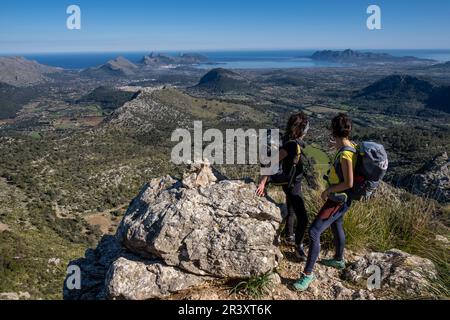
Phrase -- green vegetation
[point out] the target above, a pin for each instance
(409, 147)
(49, 185)
(12, 99)
(394, 219)
(321, 159)
(35, 135)
(254, 287)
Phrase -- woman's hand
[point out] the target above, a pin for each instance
(325, 195)
(261, 191)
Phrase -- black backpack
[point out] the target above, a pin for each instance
(288, 179)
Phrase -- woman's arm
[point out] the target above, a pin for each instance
(260, 191)
(347, 171)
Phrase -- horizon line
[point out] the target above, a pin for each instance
(214, 50)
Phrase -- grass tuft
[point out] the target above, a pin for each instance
(254, 287)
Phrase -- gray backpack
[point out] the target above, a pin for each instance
(371, 167)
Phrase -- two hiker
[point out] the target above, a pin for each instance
(345, 182)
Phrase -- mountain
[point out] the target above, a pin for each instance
(397, 87)
(158, 60)
(162, 60)
(222, 80)
(405, 94)
(359, 57)
(18, 71)
(119, 67)
(439, 99)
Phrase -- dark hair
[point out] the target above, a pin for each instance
(341, 126)
(296, 126)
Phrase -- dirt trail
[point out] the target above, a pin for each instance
(105, 220)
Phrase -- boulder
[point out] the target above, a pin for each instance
(204, 226)
(144, 280)
(179, 234)
(111, 272)
(403, 273)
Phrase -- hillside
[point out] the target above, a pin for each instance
(400, 87)
(13, 99)
(222, 81)
(404, 94)
(396, 94)
(18, 71)
(439, 99)
(440, 66)
(109, 99)
(119, 67)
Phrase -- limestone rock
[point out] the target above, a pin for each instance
(432, 180)
(218, 229)
(401, 272)
(199, 175)
(140, 280)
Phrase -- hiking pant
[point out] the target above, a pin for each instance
(296, 209)
(331, 215)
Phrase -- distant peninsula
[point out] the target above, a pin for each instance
(359, 57)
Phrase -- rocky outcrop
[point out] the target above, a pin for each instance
(183, 238)
(401, 273)
(204, 227)
(432, 180)
(144, 280)
(179, 234)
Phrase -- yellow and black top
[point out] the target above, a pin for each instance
(333, 176)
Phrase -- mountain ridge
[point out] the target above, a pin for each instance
(360, 57)
(20, 72)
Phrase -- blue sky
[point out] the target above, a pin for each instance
(138, 25)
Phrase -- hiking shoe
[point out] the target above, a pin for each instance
(300, 253)
(290, 240)
(304, 282)
(333, 263)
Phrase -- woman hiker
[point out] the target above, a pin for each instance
(337, 202)
(290, 157)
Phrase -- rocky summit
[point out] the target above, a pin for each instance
(184, 239)
(180, 233)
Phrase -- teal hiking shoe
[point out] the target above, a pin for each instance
(304, 282)
(333, 263)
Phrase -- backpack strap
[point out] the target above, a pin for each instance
(342, 150)
(337, 160)
(298, 154)
(295, 162)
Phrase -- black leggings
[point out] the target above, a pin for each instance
(320, 224)
(296, 209)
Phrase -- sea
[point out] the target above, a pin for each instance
(262, 59)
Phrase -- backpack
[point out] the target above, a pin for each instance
(284, 179)
(371, 167)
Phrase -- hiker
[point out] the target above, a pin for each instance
(290, 177)
(337, 201)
